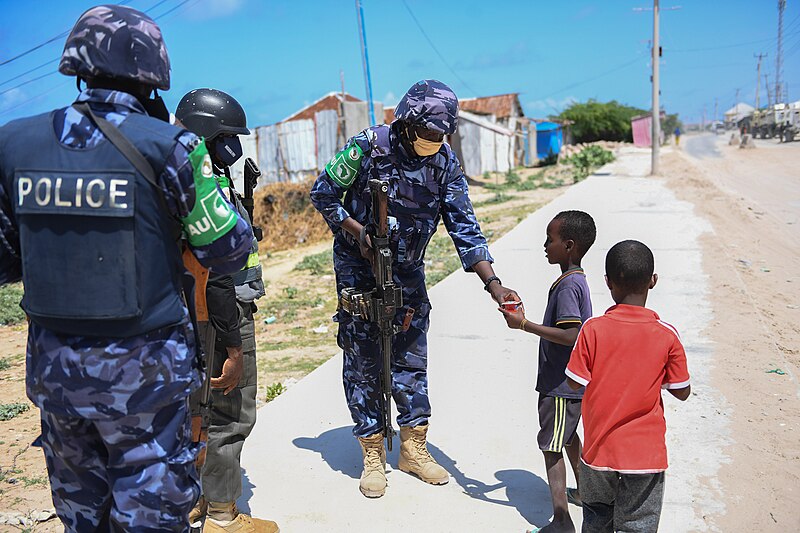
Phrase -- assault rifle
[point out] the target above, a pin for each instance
(201, 400)
(251, 175)
(381, 303)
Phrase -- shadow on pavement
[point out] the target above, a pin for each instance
(243, 503)
(524, 491)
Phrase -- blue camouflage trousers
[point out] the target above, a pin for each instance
(134, 473)
(362, 358)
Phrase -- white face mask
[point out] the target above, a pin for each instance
(424, 147)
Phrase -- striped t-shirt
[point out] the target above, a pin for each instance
(568, 304)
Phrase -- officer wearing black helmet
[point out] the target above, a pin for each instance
(219, 119)
(93, 200)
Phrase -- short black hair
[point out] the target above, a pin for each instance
(578, 227)
(630, 265)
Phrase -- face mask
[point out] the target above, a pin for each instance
(227, 150)
(424, 147)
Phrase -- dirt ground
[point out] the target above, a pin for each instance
(752, 258)
(297, 304)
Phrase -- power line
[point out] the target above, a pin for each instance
(34, 69)
(31, 99)
(180, 4)
(26, 82)
(576, 84)
(733, 45)
(48, 41)
(430, 42)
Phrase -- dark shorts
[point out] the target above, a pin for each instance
(558, 422)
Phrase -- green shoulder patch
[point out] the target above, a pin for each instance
(212, 216)
(344, 166)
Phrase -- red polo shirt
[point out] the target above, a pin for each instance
(624, 358)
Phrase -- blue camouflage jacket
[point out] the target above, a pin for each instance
(96, 377)
(422, 191)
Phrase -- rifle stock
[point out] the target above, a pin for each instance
(202, 420)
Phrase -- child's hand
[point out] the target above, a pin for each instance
(514, 313)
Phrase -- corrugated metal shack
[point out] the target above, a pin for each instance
(300, 145)
(493, 135)
(514, 142)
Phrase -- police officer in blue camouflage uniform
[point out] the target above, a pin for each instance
(426, 185)
(220, 119)
(111, 355)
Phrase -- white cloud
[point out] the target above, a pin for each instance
(210, 9)
(549, 105)
(12, 97)
(390, 99)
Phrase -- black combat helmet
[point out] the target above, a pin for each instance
(219, 119)
(209, 112)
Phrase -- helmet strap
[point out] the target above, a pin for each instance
(155, 106)
(78, 81)
(407, 137)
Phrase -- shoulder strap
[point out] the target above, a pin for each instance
(122, 144)
(132, 154)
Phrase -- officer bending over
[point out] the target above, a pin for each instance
(426, 186)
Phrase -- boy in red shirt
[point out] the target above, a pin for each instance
(624, 358)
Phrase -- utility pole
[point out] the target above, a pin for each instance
(779, 58)
(769, 95)
(656, 111)
(758, 75)
(715, 109)
(362, 32)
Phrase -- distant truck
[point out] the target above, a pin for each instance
(789, 125)
(763, 123)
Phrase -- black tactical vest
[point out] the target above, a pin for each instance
(99, 252)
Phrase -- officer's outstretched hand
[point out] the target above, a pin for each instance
(502, 294)
(231, 370)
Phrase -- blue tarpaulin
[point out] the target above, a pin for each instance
(549, 138)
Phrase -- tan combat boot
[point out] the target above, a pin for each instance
(415, 458)
(198, 512)
(225, 517)
(373, 479)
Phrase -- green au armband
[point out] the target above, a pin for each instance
(211, 217)
(344, 166)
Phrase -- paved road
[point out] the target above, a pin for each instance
(701, 146)
(302, 463)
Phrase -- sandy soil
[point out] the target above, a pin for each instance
(24, 490)
(752, 200)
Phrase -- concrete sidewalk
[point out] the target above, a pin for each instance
(302, 463)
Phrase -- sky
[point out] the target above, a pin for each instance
(276, 56)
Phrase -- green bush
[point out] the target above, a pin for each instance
(588, 160)
(498, 198)
(275, 390)
(10, 410)
(317, 264)
(512, 178)
(10, 311)
(600, 121)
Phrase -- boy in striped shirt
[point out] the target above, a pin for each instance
(624, 358)
(569, 236)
